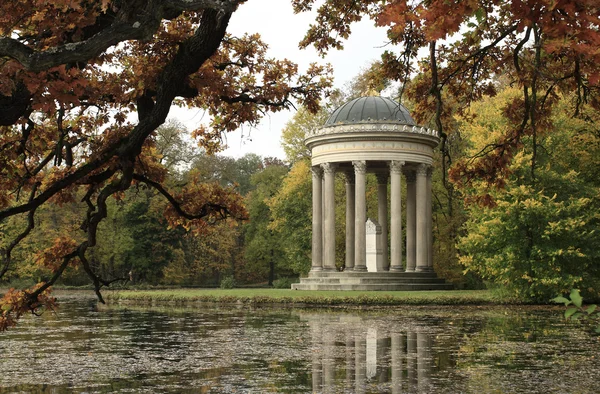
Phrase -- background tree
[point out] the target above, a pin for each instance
(538, 235)
(449, 54)
(543, 47)
(291, 209)
(71, 75)
(297, 129)
(176, 151)
(204, 261)
(263, 246)
(228, 171)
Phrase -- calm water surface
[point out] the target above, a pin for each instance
(202, 349)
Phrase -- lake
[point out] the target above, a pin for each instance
(90, 348)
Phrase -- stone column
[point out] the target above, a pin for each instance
(328, 360)
(316, 329)
(350, 220)
(317, 220)
(424, 362)
(329, 225)
(382, 216)
(360, 216)
(422, 246)
(371, 356)
(410, 221)
(360, 363)
(323, 210)
(396, 215)
(411, 361)
(397, 345)
(349, 358)
(429, 222)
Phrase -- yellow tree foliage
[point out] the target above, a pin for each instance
(537, 235)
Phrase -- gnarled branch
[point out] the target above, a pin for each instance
(140, 25)
(204, 211)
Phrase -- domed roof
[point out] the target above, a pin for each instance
(372, 108)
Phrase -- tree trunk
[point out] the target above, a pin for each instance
(271, 268)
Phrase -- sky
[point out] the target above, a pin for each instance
(282, 30)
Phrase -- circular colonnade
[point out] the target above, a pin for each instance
(372, 135)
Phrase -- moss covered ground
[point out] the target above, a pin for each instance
(286, 296)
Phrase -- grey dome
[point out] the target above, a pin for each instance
(372, 108)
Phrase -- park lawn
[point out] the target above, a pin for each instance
(308, 297)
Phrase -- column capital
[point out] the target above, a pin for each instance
(396, 166)
(350, 178)
(360, 166)
(328, 168)
(382, 178)
(422, 169)
(316, 171)
(410, 175)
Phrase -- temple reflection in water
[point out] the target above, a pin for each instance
(350, 354)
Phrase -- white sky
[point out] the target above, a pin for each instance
(282, 30)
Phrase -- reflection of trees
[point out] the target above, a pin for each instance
(357, 355)
(511, 343)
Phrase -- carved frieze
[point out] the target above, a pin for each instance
(372, 126)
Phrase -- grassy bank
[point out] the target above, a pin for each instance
(316, 298)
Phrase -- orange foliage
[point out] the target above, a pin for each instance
(84, 84)
(16, 303)
(52, 257)
(545, 47)
(205, 203)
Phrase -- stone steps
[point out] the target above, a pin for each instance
(354, 274)
(374, 281)
(372, 286)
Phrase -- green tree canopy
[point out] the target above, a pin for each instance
(84, 85)
(537, 235)
(264, 247)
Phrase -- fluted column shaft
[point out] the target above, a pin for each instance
(396, 215)
(429, 222)
(329, 225)
(317, 220)
(360, 216)
(424, 362)
(398, 347)
(328, 360)
(422, 246)
(323, 210)
(410, 221)
(411, 360)
(316, 329)
(350, 357)
(360, 363)
(382, 216)
(350, 208)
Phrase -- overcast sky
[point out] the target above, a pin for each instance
(282, 30)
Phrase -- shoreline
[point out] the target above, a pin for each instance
(299, 298)
(296, 298)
